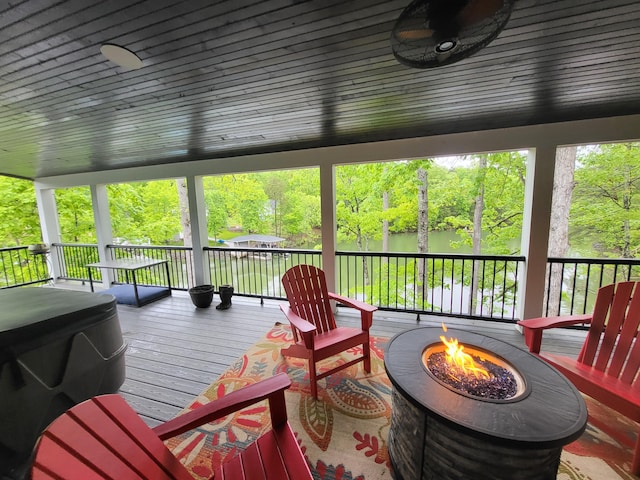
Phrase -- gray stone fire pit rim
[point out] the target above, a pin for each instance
(526, 422)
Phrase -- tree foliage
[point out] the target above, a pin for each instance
(503, 180)
(19, 222)
(75, 214)
(605, 218)
(606, 201)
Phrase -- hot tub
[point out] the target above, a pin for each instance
(57, 348)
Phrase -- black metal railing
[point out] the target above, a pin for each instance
(438, 284)
(256, 272)
(72, 260)
(20, 267)
(575, 282)
(180, 261)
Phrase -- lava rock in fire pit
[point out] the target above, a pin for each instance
(501, 384)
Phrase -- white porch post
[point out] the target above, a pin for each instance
(199, 233)
(104, 233)
(49, 225)
(328, 220)
(535, 229)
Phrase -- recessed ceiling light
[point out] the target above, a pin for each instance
(121, 56)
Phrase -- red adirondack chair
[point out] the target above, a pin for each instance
(104, 438)
(316, 335)
(606, 368)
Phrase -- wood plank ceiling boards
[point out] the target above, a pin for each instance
(226, 78)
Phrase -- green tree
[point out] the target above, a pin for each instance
(502, 180)
(161, 212)
(127, 210)
(358, 203)
(300, 207)
(275, 186)
(606, 199)
(217, 216)
(504, 202)
(451, 196)
(247, 201)
(75, 214)
(359, 206)
(497, 203)
(19, 221)
(398, 181)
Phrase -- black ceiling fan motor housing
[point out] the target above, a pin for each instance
(434, 33)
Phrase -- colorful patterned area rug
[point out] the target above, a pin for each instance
(344, 434)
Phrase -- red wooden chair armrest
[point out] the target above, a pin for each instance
(533, 327)
(545, 323)
(364, 307)
(306, 329)
(272, 389)
(366, 310)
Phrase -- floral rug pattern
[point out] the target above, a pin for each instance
(344, 433)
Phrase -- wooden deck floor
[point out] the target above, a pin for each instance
(176, 350)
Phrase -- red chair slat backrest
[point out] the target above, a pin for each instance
(307, 293)
(610, 345)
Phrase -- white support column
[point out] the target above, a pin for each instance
(49, 225)
(535, 229)
(328, 219)
(199, 233)
(104, 233)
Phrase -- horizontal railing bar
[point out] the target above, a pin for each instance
(444, 256)
(595, 261)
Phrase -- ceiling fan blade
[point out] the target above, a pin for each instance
(478, 10)
(415, 34)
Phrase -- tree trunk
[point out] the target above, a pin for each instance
(423, 230)
(626, 204)
(185, 222)
(476, 238)
(385, 222)
(363, 248)
(563, 184)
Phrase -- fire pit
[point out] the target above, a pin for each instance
(511, 422)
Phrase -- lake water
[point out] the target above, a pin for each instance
(439, 242)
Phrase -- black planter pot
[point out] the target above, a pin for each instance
(201, 295)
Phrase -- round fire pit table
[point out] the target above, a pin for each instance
(440, 433)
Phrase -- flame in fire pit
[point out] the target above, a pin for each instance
(474, 371)
(460, 361)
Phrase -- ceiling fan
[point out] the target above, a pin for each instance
(433, 33)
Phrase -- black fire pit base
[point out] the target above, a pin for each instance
(438, 433)
(447, 454)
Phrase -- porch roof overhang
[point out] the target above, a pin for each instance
(228, 87)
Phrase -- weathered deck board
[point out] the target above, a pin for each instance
(177, 350)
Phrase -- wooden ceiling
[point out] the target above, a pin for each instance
(226, 78)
